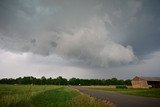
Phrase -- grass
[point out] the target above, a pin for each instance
(153, 92)
(45, 96)
(17, 95)
(56, 97)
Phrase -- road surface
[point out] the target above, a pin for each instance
(121, 100)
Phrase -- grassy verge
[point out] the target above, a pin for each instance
(45, 96)
(131, 91)
(83, 100)
(54, 98)
(18, 95)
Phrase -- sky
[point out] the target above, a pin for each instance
(97, 39)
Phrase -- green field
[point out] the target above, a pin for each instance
(45, 96)
(153, 92)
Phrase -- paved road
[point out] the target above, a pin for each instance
(122, 100)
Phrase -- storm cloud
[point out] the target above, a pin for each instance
(92, 45)
(97, 33)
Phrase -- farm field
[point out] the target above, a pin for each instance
(153, 92)
(45, 96)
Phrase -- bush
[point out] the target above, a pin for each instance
(121, 86)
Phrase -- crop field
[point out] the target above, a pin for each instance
(45, 96)
(153, 92)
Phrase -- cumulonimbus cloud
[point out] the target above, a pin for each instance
(86, 34)
(91, 44)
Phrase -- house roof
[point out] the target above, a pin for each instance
(147, 78)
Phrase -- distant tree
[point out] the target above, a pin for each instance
(73, 81)
(63, 81)
(19, 80)
(38, 81)
(120, 82)
(7, 81)
(113, 81)
(49, 81)
(26, 80)
(127, 82)
(43, 80)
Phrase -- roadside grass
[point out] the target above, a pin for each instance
(54, 98)
(84, 100)
(18, 95)
(45, 96)
(153, 92)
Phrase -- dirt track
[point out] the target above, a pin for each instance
(122, 100)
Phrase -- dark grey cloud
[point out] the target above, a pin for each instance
(100, 33)
(144, 29)
(136, 22)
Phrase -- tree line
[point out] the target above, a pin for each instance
(63, 81)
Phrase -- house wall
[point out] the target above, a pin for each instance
(139, 84)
